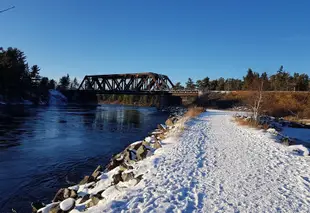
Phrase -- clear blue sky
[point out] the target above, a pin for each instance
(180, 38)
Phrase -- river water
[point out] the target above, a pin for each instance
(45, 148)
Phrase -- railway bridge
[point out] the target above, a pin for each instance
(93, 86)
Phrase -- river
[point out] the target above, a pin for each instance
(45, 148)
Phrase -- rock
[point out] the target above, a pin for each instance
(272, 131)
(73, 194)
(125, 166)
(84, 199)
(59, 195)
(157, 145)
(67, 205)
(126, 176)
(135, 146)
(117, 178)
(50, 208)
(148, 139)
(66, 193)
(97, 171)
(36, 206)
(115, 162)
(141, 152)
(169, 122)
(139, 178)
(74, 211)
(55, 209)
(162, 127)
(84, 181)
(94, 201)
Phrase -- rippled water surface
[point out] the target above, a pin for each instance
(45, 148)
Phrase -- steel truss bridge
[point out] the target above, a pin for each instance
(127, 83)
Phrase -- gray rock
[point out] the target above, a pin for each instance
(59, 195)
(141, 153)
(67, 205)
(84, 199)
(117, 178)
(94, 201)
(126, 176)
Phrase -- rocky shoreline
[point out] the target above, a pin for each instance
(119, 172)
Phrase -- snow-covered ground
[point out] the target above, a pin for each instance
(216, 166)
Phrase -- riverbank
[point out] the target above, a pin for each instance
(90, 190)
(206, 164)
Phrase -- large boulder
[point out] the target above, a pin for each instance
(67, 205)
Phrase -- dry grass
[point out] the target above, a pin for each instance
(250, 123)
(278, 104)
(194, 111)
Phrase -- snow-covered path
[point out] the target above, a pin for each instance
(217, 166)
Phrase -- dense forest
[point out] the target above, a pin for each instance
(281, 81)
(20, 81)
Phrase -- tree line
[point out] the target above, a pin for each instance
(19, 80)
(281, 81)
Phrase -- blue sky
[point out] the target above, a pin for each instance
(180, 38)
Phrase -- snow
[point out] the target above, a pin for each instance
(56, 98)
(214, 166)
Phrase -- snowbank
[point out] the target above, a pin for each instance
(57, 98)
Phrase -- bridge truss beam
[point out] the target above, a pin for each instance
(135, 82)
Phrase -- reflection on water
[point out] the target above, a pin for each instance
(42, 149)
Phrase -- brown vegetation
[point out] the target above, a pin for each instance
(278, 104)
(194, 111)
(249, 122)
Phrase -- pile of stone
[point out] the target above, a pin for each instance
(95, 188)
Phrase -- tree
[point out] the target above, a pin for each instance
(281, 80)
(64, 82)
(266, 83)
(213, 84)
(190, 84)
(249, 80)
(220, 84)
(14, 76)
(256, 99)
(74, 84)
(35, 70)
(52, 84)
(178, 86)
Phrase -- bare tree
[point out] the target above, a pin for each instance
(255, 101)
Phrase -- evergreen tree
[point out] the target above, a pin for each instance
(74, 84)
(64, 82)
(190, 84)
(178, 86)
(220, 84)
